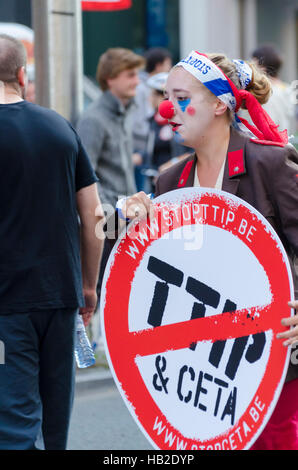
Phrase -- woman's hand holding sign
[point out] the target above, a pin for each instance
(290, 336)
(138, 206)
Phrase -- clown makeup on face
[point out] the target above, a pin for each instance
(191, 110)
(184, 104)
(194, 106)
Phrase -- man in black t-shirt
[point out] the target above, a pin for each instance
(49, 262)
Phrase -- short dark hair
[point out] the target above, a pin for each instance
(155, 56)
(114, 61)
(269, 58)
(12, 57)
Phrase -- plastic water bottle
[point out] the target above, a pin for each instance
(83, 351)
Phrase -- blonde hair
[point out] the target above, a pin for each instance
(260, 85)
(113, 62)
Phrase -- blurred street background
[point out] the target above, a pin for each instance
(100, 419)
(76, 38)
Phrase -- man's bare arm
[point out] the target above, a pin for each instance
(92, 240)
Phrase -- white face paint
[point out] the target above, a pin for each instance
(194, 110)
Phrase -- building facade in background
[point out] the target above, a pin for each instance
(237, 27)
(232, 26)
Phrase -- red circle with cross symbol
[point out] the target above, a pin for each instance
(190, 324)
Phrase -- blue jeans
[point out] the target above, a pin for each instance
(37, 378)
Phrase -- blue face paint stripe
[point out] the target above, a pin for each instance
(183, 104)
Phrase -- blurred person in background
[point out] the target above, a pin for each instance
(106, 129)
(49, 263)
(280, 106)
(30, 90)
(158, 60)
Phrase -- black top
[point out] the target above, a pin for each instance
(42, 166)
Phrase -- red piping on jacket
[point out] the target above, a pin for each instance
(185, 174)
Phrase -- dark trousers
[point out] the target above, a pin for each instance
(37, 378)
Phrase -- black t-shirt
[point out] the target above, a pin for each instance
(42, 166)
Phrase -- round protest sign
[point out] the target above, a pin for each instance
(191, 304)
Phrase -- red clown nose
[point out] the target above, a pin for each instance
(166, 109)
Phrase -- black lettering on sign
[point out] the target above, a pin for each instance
(191, 372)
(255, 350)
(221, 384)
(169, 275)
(219, 346)
(192, 388)
(200, 389)
(236, 356)
(159, 381)
(253, 354)
(207, 296)
(230, 407)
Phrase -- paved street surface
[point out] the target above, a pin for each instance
(101, 421)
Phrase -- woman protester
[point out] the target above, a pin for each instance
(254, 162)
